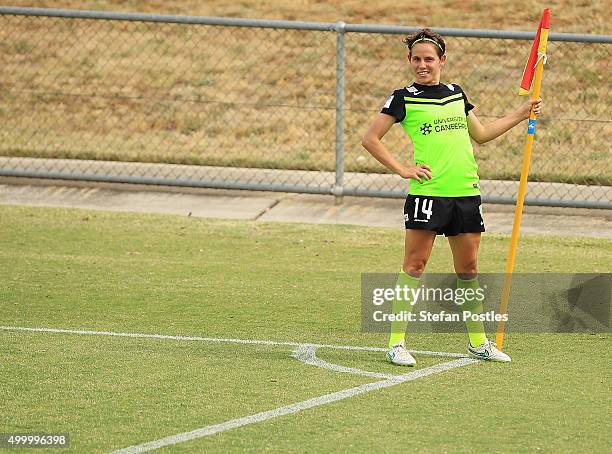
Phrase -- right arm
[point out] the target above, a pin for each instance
(371, 141)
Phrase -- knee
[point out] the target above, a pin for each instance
(414, 266)
(468, 270)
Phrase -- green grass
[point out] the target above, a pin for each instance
(122, 272)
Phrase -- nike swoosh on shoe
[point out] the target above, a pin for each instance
(484, 355)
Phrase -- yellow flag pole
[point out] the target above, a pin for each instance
(518, 212)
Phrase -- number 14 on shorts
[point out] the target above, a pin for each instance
(426, 209)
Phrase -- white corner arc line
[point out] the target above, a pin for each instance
(307, 354)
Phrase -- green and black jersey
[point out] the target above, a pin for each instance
(435, 119)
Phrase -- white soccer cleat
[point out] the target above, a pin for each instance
(400, 356)
(488, 352)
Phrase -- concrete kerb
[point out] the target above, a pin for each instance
(316, 182)
(282, 207)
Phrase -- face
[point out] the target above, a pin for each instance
(426, 64)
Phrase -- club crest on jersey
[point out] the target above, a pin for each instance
(426, 129)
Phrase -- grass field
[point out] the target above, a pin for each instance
(265, 98)
(180, 276)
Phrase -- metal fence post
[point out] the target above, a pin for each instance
(339, 184)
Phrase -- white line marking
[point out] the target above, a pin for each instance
(307, 354)
(303, 352)
(293, 408)
(214, 339)
(144, 335)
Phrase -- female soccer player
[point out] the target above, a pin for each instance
(444, 196)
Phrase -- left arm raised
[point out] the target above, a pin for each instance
(484, 133)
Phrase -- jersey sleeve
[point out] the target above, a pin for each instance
(468, 105)
(395, 106)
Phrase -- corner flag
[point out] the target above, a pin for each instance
(532, 62)
(533, 70)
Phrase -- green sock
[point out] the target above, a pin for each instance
(475, 329)
(398, 328)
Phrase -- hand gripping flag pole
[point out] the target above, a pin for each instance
(534, 67)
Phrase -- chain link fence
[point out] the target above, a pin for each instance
(273, 105)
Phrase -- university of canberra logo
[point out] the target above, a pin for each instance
(443, 125)
(426, 129)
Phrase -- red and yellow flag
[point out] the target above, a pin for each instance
(536, 53)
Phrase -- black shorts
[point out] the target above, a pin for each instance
(445, 215)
